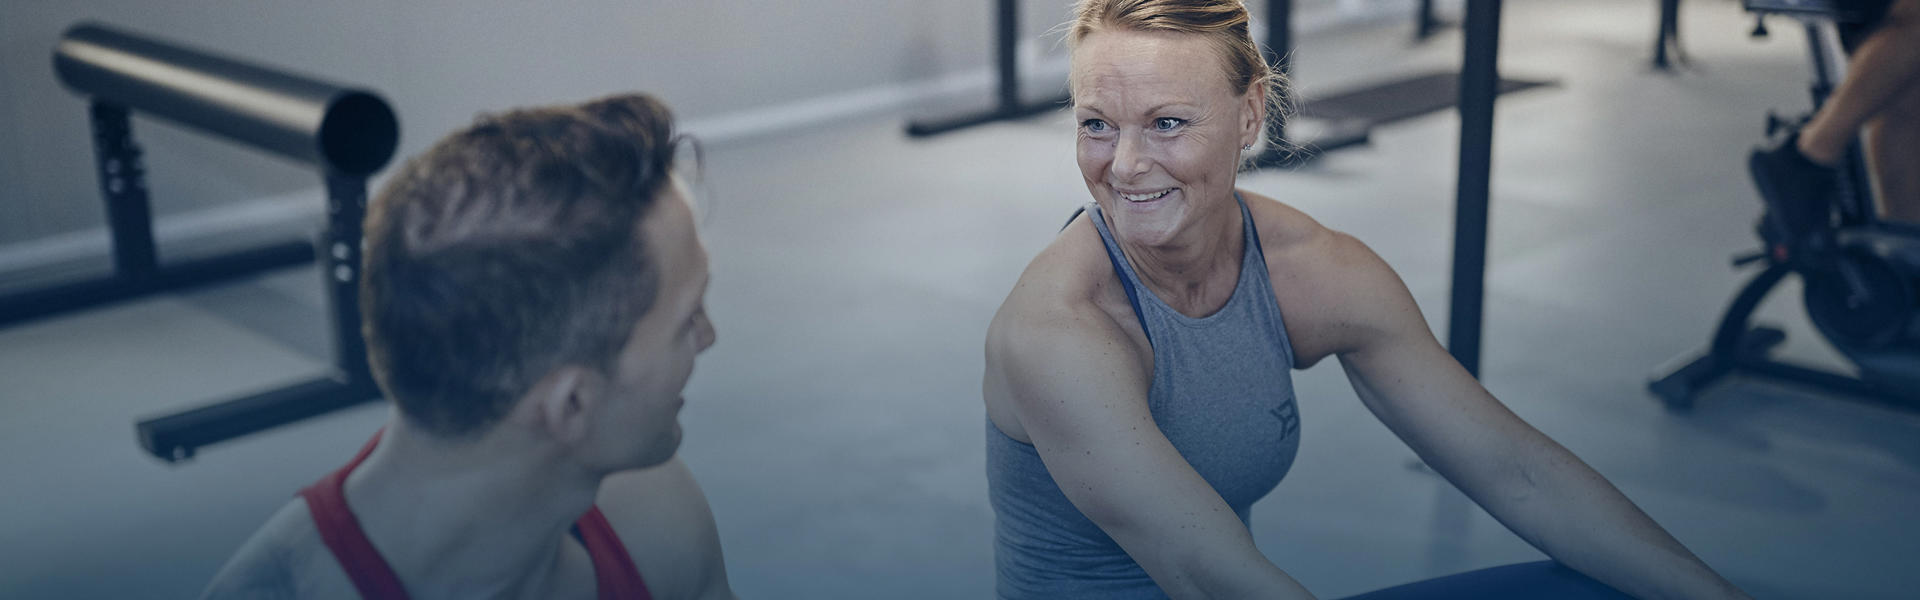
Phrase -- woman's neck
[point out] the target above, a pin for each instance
(1196, 271)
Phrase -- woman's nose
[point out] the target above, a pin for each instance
(1129, 157)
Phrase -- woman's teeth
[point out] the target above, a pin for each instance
(1146, 197)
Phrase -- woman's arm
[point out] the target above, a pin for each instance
(1531, 484)
(1071, 378)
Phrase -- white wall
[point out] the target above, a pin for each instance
(440, 61)
(732, 69)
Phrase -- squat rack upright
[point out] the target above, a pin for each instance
(346, 133)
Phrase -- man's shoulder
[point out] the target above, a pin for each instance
(662, 518)
(656, 493)
(285, 558)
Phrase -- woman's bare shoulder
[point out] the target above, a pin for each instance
(1283, 228)
(1071, 275)
(1066, 304)
(1322, 279)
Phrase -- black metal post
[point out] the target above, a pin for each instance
(346, 207)
(1668, 36)
(1279, 56)
(1006, 43)
(1823, 62)
(1424, 24)
(1479, 81)
(1280, 151)
(1006, 46)
(123, 184)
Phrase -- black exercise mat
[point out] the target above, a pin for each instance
(1400, 99)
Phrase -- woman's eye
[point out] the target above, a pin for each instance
(1167, 123)
(1094, 125)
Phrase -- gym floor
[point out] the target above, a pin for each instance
(837, 426)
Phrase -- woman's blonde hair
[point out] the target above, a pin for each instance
(1224, 24)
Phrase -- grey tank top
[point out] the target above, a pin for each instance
(1222, 393)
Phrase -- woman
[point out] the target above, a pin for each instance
(1137, 382)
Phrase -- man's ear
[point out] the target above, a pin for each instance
(563, 402)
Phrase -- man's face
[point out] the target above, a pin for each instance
(644, 399)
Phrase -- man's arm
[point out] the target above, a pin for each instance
(663, 519)
(1531, 484)
(258, 569)
(261, 579)
(1081, 396)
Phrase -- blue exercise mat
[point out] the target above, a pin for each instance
(1529, 581)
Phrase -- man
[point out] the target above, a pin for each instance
(533, 295)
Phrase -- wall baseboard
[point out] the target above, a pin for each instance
(1035, 62)
(277, 211)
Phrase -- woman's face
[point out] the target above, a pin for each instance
(1160, 129)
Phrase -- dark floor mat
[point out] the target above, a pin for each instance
(1400, 99)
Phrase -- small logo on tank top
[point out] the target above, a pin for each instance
(1289, 418)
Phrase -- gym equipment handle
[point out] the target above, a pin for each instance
(348, 131)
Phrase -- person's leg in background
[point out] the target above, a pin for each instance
(1882, 91)
(1893, 150)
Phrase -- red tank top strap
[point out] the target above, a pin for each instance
(619, 579)
(327, 500)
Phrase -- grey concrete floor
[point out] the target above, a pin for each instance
(837, 425)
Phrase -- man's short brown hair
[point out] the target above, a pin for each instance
(509, 249)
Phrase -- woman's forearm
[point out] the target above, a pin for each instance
(1562, 506)
(1202, 568)
(1248, 577)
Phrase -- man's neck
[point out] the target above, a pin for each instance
(475, 518)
